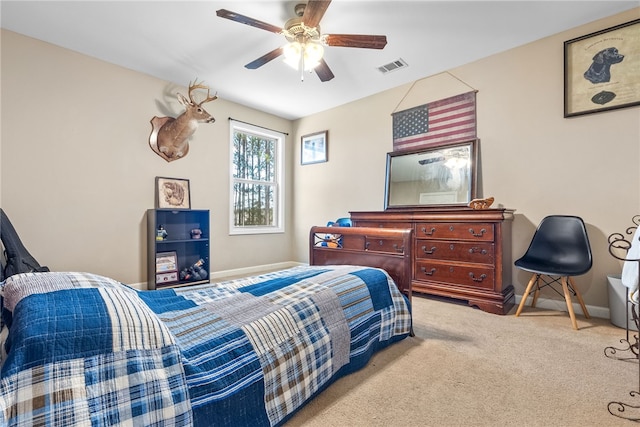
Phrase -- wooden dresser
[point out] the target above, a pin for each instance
(458, 253)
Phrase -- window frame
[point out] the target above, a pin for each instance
(278, 186)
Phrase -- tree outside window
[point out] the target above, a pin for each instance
(256, 180)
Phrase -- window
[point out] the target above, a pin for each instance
(257, 199)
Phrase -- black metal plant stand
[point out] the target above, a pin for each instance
(618, 244)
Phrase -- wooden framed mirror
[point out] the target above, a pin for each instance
(437, 175)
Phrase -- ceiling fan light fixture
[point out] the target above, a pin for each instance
(305, 56)
(292, 53)
(312, 54)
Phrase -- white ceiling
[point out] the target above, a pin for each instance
(179, 41)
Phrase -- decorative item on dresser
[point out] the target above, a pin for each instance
(458, 252)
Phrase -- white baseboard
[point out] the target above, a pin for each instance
(548, 304)
(561, 305)
(238, 272)
(248, 271)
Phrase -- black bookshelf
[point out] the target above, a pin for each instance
(178, 247)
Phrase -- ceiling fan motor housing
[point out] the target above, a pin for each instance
(295, 30)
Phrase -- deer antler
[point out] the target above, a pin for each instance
(195, 85)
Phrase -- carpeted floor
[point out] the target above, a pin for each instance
(466, 367)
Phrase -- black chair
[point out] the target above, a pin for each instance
(559, 250)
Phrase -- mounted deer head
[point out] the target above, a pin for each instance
(170, 137)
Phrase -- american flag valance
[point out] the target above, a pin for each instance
(447, 120)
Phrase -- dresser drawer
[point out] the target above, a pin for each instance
(478, 252)
(456, 252)
(393, 246)
(471, 275)
(455, 231)
(381, 224)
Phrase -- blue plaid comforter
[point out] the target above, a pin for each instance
(85, 350)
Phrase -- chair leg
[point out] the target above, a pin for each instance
(526, 294)
(536, 293)
(579, 296)
(567, 297)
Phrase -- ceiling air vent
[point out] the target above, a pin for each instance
(392, 66)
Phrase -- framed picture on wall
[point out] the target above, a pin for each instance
(601, 70)
(313, 148)
(172, 193)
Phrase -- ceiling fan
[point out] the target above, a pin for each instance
(305, 40)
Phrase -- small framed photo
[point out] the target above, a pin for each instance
(601, 70)
(166, 262)
(313, 148)
(172, 193)
(166, 268)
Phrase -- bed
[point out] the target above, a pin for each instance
(84, 349)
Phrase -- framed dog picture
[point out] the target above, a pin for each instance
(602, 70)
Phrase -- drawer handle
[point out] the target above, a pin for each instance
(428, 252)
(428, 273)
(397, 249)
(476, 250)
(482, 231)
(428, 233)
(477, 279)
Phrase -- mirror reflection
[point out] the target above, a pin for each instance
(438, 175)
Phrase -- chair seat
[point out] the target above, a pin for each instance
(544, 266)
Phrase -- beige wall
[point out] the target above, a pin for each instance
(78, 173)
(532, 159)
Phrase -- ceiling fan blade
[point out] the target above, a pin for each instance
(224, 13)
(314, 11)
(356, 40)
(264, 59)
(324, 72)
